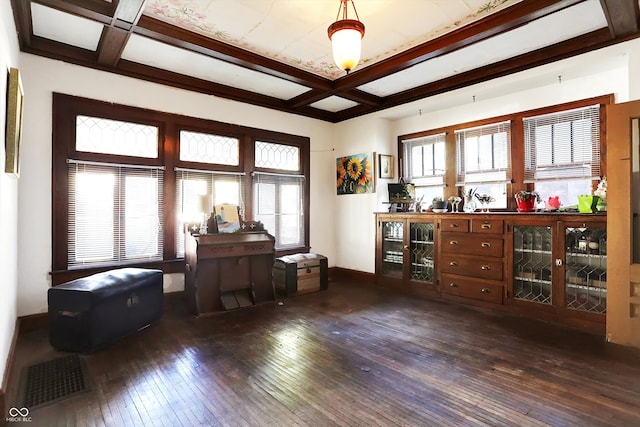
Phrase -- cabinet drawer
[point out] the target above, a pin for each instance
(486, 268)
(470, 288)
(455, 224)
(487, 226)
(471, 244)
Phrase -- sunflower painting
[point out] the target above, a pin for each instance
(355, 174)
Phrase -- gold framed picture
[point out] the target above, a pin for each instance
(14, 123)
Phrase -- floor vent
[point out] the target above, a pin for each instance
(53, 380)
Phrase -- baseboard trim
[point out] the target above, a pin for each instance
(33, 321)
(7, 370)
(339, 273)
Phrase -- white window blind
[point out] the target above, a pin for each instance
(279, 205)
(191, 185)
(484, 154)
(563, 145)
(115, 214)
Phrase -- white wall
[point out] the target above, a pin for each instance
(8, 197)
(594, 74)
(42, 77)
(342, 227)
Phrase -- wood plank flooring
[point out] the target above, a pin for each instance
(354, 355)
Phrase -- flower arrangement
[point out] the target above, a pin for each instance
(601, 191)
(523, 196)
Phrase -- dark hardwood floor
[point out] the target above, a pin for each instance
(354, 355)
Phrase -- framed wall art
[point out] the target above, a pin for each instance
(355, 174)
(385, 166)
(14, 123)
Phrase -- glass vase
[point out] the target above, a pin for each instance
(469, 204)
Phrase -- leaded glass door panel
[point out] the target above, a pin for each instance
(421, 251)
(532, 263)
(392, 248)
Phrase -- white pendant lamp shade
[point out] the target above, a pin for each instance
(346, 39)
(346, 45)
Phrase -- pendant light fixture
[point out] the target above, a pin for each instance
(346, 38)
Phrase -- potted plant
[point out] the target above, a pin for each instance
(438, 204)
(527, 200)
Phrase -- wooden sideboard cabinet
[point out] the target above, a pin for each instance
(228, 271)
(550, 266)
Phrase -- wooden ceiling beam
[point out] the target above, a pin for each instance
(114, 38)
(578, 45)
(492, 25)
(184, 39)
(354, 95)
(622, 16)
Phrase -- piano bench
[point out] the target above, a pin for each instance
(92, 312)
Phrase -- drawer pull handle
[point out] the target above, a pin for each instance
(453, 285)
(405, 247)
(454, 225)
(485, 244)
(485, 226)
(486, 267)
(485, 290)
(453, 242)
(453, 263)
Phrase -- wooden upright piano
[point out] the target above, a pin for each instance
(228, 271)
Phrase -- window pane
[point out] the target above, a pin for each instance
(567, 190)
(277, 156)
(471, 162)
(105, 136)
(562, 143)
(497, 191)
(115, 214)
(485, 152)
(141, 217)
(417, 168)
(279, 206)
(565, 144)
(544, 145)
(290, 220)
(94, 217)
(427, 194)
(208, 148)
(191, 186)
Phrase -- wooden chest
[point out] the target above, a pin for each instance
(300, 273)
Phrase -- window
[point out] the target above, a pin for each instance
(484, 160)
(562, 152)
(127, 180)
(192, 186)
(425, 163)
(279, 194)
(278, 200)
(115, 214)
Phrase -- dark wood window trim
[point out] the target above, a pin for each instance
(65, 110)
(517, 143)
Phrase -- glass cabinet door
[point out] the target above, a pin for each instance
(586, 269)
(421, 251)
(392, 253)
(532, 263)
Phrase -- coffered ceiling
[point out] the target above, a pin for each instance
(276, 53)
